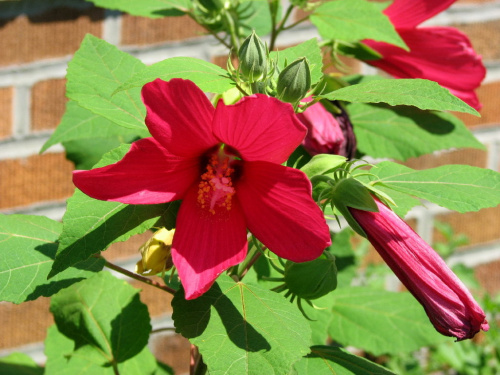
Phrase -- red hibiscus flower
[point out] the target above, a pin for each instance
(441, 54)
(447, 302)
(224, 163)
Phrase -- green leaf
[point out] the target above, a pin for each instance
(95, 72)
(62, 359)
(354, 20)
(207, 76)
(380, 322)
(421, 93)
(257, 17)
(145, 8)
(345, 259)
(406, 132)
(19, 364)
(80, 123)
(325, 360)
(91, 226)
(27, 250)
(461, 188)
(104, 317)
(247, 329)
(86, 152)
(309, 49)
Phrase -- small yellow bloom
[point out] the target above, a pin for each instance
(156, 256)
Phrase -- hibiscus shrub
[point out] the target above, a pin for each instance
(244, 177)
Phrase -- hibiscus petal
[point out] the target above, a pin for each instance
(206, 244)
(441, 54)
(410, 13)
(179, 116)
(259, 128)
(280, 212)
(147, 174)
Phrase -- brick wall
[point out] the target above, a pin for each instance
(35, 51)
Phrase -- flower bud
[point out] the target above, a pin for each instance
(314, 279)
(253, 58)
(155, 253)
(294, 81)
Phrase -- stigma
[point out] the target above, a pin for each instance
(215, 190)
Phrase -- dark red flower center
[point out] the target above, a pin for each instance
(216, 190)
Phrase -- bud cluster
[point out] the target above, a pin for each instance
(259, 73)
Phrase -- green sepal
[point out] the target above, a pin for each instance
(352, 193)
(313, 279)
(322, 164)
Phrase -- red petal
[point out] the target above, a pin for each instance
(259, 128)
(441, 54)
(147, 174)
(179, 116)
(280, 212)
(410, 13)
(206, 244)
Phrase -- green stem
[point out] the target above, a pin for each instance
(232, 30)
(211, 32)
(273, 9)
(281, 27)
(135, 276)
(295, 23)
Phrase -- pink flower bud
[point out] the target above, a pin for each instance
(447, 302)
(327, 133)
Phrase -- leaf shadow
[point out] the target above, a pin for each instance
(129, 330)
(192, 317)
(50, 288)
(115, 226)
(430, 121)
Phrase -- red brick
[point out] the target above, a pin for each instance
(55, 33)
(480, 227)
(6, 112)
(141, 30)
(48, 102)
(488, 276)
(481, 36)
(25, 323)
(467, 156)
(174, 350)
(490, 113)
(35, 179)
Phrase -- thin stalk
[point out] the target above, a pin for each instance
(232, 30)
(135, 276)
(276, 31)
(295, 23)
(211, 32)
(273, 9)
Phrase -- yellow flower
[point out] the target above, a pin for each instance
(155, 253)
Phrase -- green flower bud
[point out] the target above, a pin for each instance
(294, 81)
(253, 58)
(314, 279)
